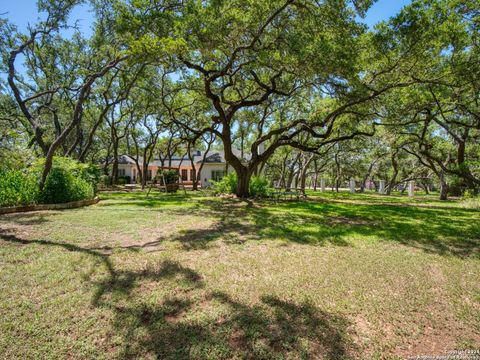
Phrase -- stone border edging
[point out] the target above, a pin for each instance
(69, 205)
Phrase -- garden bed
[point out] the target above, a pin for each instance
(37, 207)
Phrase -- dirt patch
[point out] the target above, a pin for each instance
(437, 274)
(433, 342)
(238, 340)
(175, 317)
(441, 332)
(17, 232)
(363, 327)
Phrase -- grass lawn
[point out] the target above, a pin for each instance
(339, 276)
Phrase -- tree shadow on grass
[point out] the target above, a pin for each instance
(11, 237)
(447, 231)
(237, 222)
(191, 321)
(271, 329)
(30, 218)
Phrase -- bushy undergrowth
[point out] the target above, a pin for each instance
(18, 188)
(258, 186)
(67, 181)
(62, 186)
(170, 176)
(122, 180)
(105, 180)
(228, 185)
(471, 202)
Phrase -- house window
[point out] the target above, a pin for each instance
(218, 175)
(121, 172)
(192, 175)
(184, 174)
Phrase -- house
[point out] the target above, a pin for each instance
(214, 167)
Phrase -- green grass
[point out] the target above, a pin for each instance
(187, 276)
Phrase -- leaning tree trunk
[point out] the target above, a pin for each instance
(443, 187)
(424, 186)
(194, 171)
(282, 182)
(288, 184)
(391, 184)
(315, 179)
(145, 174)
(105, 167)
(115, 164)
(139, 178)
(297, 179)
(261, 167)
(147, 156)
(337, 173)
(303, 175)
(303, 181)
(367, 175)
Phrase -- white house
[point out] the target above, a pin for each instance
(214, 167)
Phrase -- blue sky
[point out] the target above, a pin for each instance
(383, 10)
(22, 12)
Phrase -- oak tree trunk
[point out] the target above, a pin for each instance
(243, 182)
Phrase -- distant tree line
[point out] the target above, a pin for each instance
(301, 87)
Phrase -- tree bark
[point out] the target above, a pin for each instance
(391, 183)
(443, 186)
(194, 170)
(115, 163)
(243, 182)
(367, 175)
(303, 175)
(337, 173)
(315, 178)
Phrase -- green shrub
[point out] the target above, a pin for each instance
(68, 180)
(105, 180)
(88, 172)
(18, 188)
(469, 193)
(259, 187)
(228, 185)
(122, 180)
(63, 186)
(170, 176)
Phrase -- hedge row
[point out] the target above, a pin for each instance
(67, 181)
